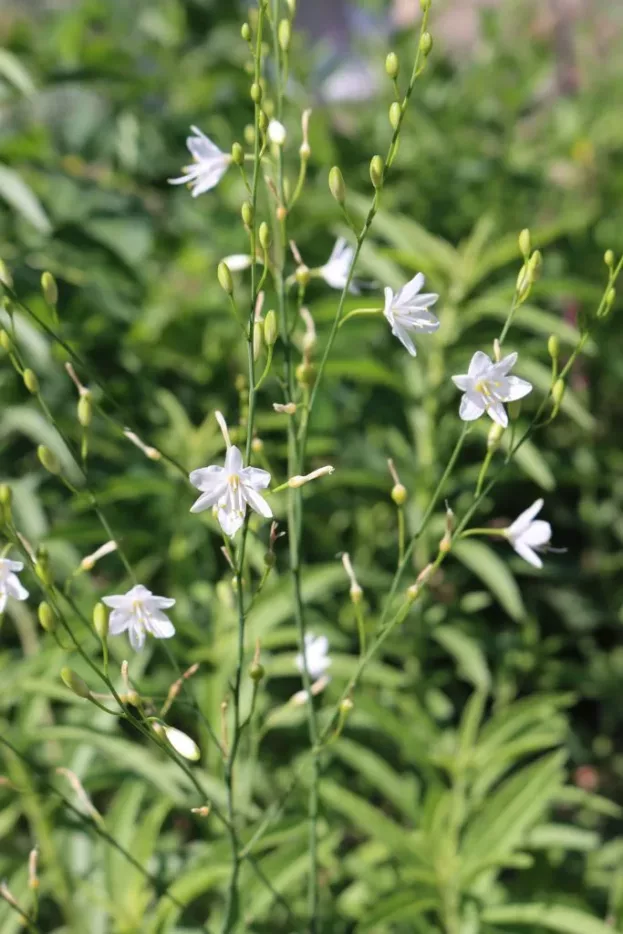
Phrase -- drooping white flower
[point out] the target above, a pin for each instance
(407, 310)
(231, 488)
(527, 534)
(208, 168)
(139, 612)
(9, 582)
(277, 132)
(317, 658)
(335, 270)
(487, 385)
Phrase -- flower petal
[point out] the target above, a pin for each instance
(506, 363)
(255, 477)
(3, 600)
(200, 146)
(119, 621)
(163, 603)
(462, 382)
(15, 589)
(479, 363)
(524, 551)
(137, 637)
(497, 412)
(11, 565)
(206, 500)
(404, 338)
(410, 289)
(160, 626)
(115, 601)
(209, 177)
(230, 520)
(233, 461)
(524, 519)
(206, 477)
(257, 502)
(538, 533)
(472, 406)
(518, 388)
(389, 301)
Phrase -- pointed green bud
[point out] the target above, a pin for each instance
(49, 460)
(49, 288)
(6, 494)
(553, 347)
(493, 438)
(75, 683)
(42, 566)
(249, 134)
(264, 235)
(525, 243)
(284, 34)
(85, 409)
(246, 212)
(5, 341)
(263, 121)
(609, 258)
(245, 32)
(376, 171)
(558, 391)
(399, 494)
(270, 328)
(256, 672)
(302, 275)
(30, 381)
(224, 277)
(534, 265)
(5, 276)
(237, 154)
(336, 185)
(305, 374)
(395, 113)
(610, 297)
(100, 621)
(47, 619)
(426, 43)
(256, 92)
(392, 66)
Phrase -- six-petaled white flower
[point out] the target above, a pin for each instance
(317, 657)
(208, 168)
(9, 582)
(487, 385)
(335, 271)
(139, 612)
(407, 310)
(230, 489)
(527, 534)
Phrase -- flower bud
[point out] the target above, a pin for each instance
(302, 275)
(534, 266)
(263, 120)
(395, 113)
(256, 672)
(5, 341)
(305, 374)
(524, 243)
(48, 459)
(264, 235)
(270, 328)
(424, 5)
(346, 706)
(558, 391)
(237, 154)
(183, 744)
(100, 621)
(5, 276)
(609, 258)
(284, 34)
(256, 92)
(493, 438)
(399, 494)
(42, 566)
(258, 341)
(85, 409)
(30, 381)
(257, 445)
(249, 134)
(75, 683)
(246, 212)
(298, 481)
(553, 347)
(376, 171)
(610, 297)
(291, 6)
(224, 277)
(391, 66)
(245, 32)
(49, 288)
(6, 494)
(270, 559)
(426, 43)
(47, 619)
(285, 408)
(336, 185)
(523, 283)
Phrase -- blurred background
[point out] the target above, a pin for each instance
(516, 123)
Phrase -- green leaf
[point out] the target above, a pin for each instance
(557, 918)
(399, 789)
(399, 906)
(562, 836)
(15, 73)
(15, 191)
(540, 377)
(471, 661)
(492, 571)
(532, 462)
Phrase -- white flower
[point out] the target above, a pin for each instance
(335, 271)
(316, 655)
(139, 611)
(486, 385)
(407, 310)
(276, 132)
(182, 743)
(230, 489)
(526, 534)
(237, 262)
(9, 582)
(208, 168)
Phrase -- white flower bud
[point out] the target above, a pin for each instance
(183, 744)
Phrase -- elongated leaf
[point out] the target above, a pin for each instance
(399, 906)
(16, 73)
(471, 661)
(15, 191)
(562, 836)
(557, 918)
(399, 789)
(485, 563)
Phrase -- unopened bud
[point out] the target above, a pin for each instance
(376, 171)
(534, 266)
(182, 743)
(100, 621)
(392, 66)
(558, 391)
(302, 275)
(295, 482)
(399, 494)
(523, 281)
(47, 619)
(609, 258)
(270, 559)
(49, 288)
(610, 297)
(264, 235)
(346, 706)
(284, 34)
(5, 341)
(263, 119)
(256, 672)
(426, 43)
(257, 445)
(237, 154)
(270, 328)
(85, 409)
(6, 494)
(33, 878)
(553, 347)
(336, 185)
(395, 113)
(525, 243)
(255, 92)
(424, 5)
(249, 134)
(291, 4)
(305, 374)
(246, 212)
(493, 438)
(258, 341)
(48, 459)
(287, 408)
(42, 566)
(75, 683)
(30, 381)
(245, 32)
(224, 277)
